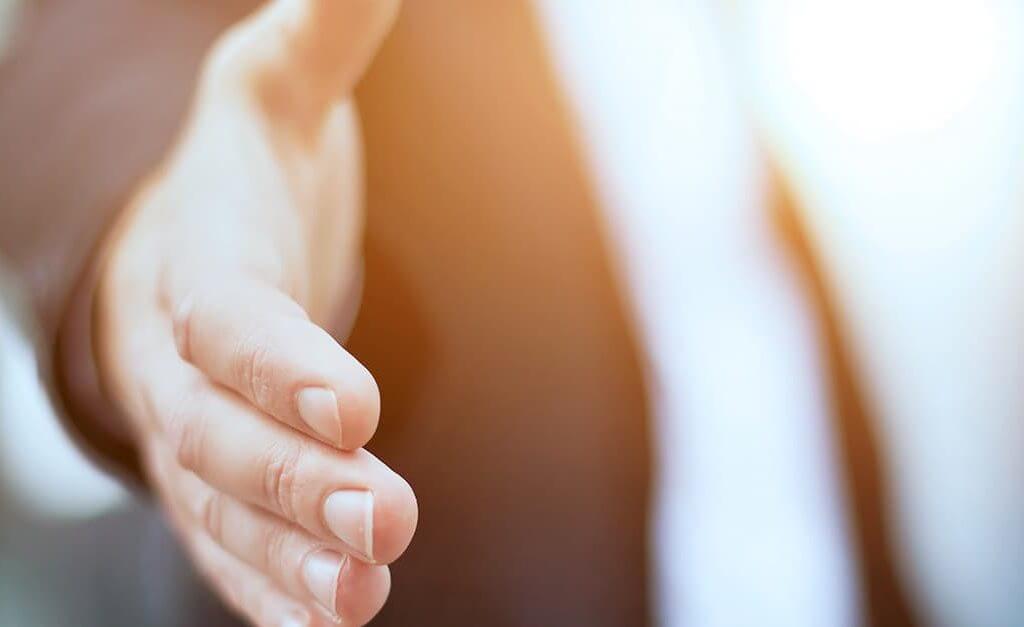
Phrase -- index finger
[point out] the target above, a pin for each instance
(256, 340)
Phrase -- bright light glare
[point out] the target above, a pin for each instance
(876, 68)
(898, 121)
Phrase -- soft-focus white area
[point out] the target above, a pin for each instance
(880, 68)
(748, 527)
(39, 466)
(902, 125)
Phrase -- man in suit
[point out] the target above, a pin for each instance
(209, 236)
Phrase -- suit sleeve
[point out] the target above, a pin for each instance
(91, 95)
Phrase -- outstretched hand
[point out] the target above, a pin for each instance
(249, 416)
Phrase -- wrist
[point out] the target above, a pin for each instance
(94, 421)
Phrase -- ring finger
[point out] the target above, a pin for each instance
(347, 589)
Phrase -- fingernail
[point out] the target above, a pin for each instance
(349, 514)
(318, 408)
(320, 573)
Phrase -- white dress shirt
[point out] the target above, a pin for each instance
(748, 527)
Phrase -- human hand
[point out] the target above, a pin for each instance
(249, 417)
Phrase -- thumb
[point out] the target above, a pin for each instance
(297, 58)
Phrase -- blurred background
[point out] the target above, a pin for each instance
(895, 130)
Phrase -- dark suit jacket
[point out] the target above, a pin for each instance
(512, 392)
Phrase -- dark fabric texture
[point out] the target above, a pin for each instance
(512, 395)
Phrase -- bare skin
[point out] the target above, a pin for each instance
(250, 418)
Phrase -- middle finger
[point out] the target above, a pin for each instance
(351, 497)
(300, 564)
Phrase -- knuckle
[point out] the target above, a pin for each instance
(280, 483)
(275, 549)
(253, 367)
(187, 445)
(188, 435)
(212, 514)
(181, 322)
